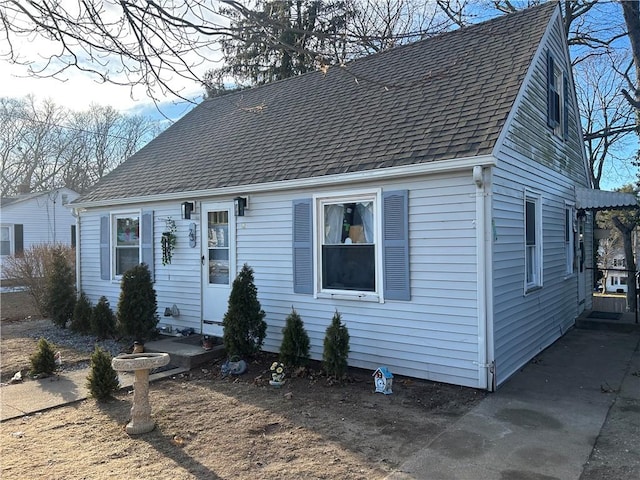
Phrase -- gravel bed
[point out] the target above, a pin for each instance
(82, 343)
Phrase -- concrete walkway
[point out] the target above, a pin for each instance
(543, 423)
(37, 395)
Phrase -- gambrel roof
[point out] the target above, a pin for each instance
(441, 98)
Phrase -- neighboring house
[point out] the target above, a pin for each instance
(36, 218)
(433, 194)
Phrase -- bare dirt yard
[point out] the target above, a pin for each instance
(210, 427)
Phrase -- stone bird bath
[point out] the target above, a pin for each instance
(140, 364)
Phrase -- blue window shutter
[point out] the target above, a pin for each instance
(565, 107)
(395, 245)
(18, 237)
(302, 246)
(105, 248)
(147, 239)
(552, 103)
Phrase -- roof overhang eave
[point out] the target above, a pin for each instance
(440, 166)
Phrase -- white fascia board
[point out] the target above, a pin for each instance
(440, 166)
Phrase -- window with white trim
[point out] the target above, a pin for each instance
(354, 245)
(533, 241)
(5, 240)
(557, 98)
(569, 238)
(125, 242)
(348, 253)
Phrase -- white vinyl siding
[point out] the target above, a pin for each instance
(432, 336)
(532, 157)
(39, 219)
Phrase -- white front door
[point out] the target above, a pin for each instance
(218, 264)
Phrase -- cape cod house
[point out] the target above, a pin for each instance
(36, 218)
(430, 193)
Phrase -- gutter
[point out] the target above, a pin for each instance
(440, 166)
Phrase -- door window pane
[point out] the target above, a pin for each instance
(218, 246)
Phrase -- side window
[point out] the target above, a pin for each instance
(533, 241)
(557, 98)
(125, 242)
(5, 240)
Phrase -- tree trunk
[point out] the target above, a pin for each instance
(626, 230)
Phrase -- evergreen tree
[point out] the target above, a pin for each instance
(103, 321)
(294, 350)
(43, 361)
(60, 289)
(102, 380)
(137, 306)
(81, 320)
(244, 325)
(336, 348)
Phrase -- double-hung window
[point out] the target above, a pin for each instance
(533, 241)
(349, 244)
(5, 240)
(557, 98)
(126, 242)
(353, 245)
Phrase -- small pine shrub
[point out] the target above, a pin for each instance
(102, 380)
(60, 289)
(43, 360)
(81, 320)
(137, 306)
(103, 321)
(336, 348)
(294, 350)
(244, 325)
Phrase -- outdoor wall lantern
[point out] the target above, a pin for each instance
(240, 203)
(187, 208)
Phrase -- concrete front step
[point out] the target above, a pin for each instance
(186, 352)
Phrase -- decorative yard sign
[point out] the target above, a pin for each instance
(383, 380)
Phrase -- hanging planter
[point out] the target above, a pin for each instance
(168, 241)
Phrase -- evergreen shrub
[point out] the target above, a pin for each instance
(81, 320)
(102, 380)
(43, 360)
(336, 348)
(60, 289)
(103, 321)
(137, 306)
(294, 350)
(244, 325)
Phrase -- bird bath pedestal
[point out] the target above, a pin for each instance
(140, 364)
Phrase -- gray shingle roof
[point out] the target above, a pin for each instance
(440, 98)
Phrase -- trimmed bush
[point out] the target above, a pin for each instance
(43, 360)
(244, 325)
(103, 321)
(81, 320)
(102, 380)
(137, 306)
(294, 350)
(336, 348)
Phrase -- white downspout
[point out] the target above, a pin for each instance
(483, 279)
(76, 213)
